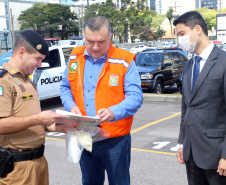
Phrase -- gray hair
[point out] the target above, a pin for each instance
(96, 23)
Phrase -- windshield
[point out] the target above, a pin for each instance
(149, 59)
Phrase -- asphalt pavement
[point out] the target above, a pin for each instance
(154, 144)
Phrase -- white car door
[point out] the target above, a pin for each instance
(48, 79)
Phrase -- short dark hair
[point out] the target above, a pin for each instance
(21, 42)
(191, 19)
(96, 23)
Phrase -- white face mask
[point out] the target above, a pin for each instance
(185, 44)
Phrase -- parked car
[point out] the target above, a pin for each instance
(149, 43)
(160, 68)
(180, 83)
(72, 42)
(52, 41)
(166, 45)
(218, 44)
(138, 48)
(150, 49)
(224, 44)
(48, 77)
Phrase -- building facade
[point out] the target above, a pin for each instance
(221, 4)
(211, 4)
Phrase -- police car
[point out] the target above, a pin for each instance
(48, 77)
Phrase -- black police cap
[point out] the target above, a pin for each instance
(36, 41)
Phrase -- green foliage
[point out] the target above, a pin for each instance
(159, 33)
(108, 10)
(169, 15)
(91, 11)
(134, 16)
(157, 20)
(47, 17)
(209, 16)
(34, 17)
(222, 11)
(146, 34)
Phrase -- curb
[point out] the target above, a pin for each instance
(172, 98)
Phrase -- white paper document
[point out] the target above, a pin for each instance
(76, 119)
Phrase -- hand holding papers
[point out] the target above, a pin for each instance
(84, 133)
(76, 119)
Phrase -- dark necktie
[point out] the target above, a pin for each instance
(196, 70)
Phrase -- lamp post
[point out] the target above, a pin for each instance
(6, 35)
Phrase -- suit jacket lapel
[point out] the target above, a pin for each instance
(187, 79)
(206, 68)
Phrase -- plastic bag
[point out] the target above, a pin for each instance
(82, 137)
(96, 133)
(74, 149)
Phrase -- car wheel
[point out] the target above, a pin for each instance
(158, 87)
(179, 86)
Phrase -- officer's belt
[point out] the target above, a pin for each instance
(26, 155)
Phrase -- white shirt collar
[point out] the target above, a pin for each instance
(206, 52)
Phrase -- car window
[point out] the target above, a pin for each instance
(168, 59)
(53, 59)
(66, 52)
(176, 58)
(183, 58)
(149, 59)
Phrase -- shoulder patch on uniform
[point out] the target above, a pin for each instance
(1, 91)
(73, 68)
(72, 57)
(2, 72)
(113, 81)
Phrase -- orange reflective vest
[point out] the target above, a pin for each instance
(110, 86)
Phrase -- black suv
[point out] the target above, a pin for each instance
(160, 68)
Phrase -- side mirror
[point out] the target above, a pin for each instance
(44, 65)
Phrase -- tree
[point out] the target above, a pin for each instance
(169, 16)
(222, 10)
(157, 20)
(209, 16)
(109, 11)
(146, 34)
(140, 21)
(34, 17)
(131, 17)
(159, 33)
(91, 11)
(42, 17)
(61, 15)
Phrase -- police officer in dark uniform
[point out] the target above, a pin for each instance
(22, 124)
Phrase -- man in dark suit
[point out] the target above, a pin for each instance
(202, 136)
